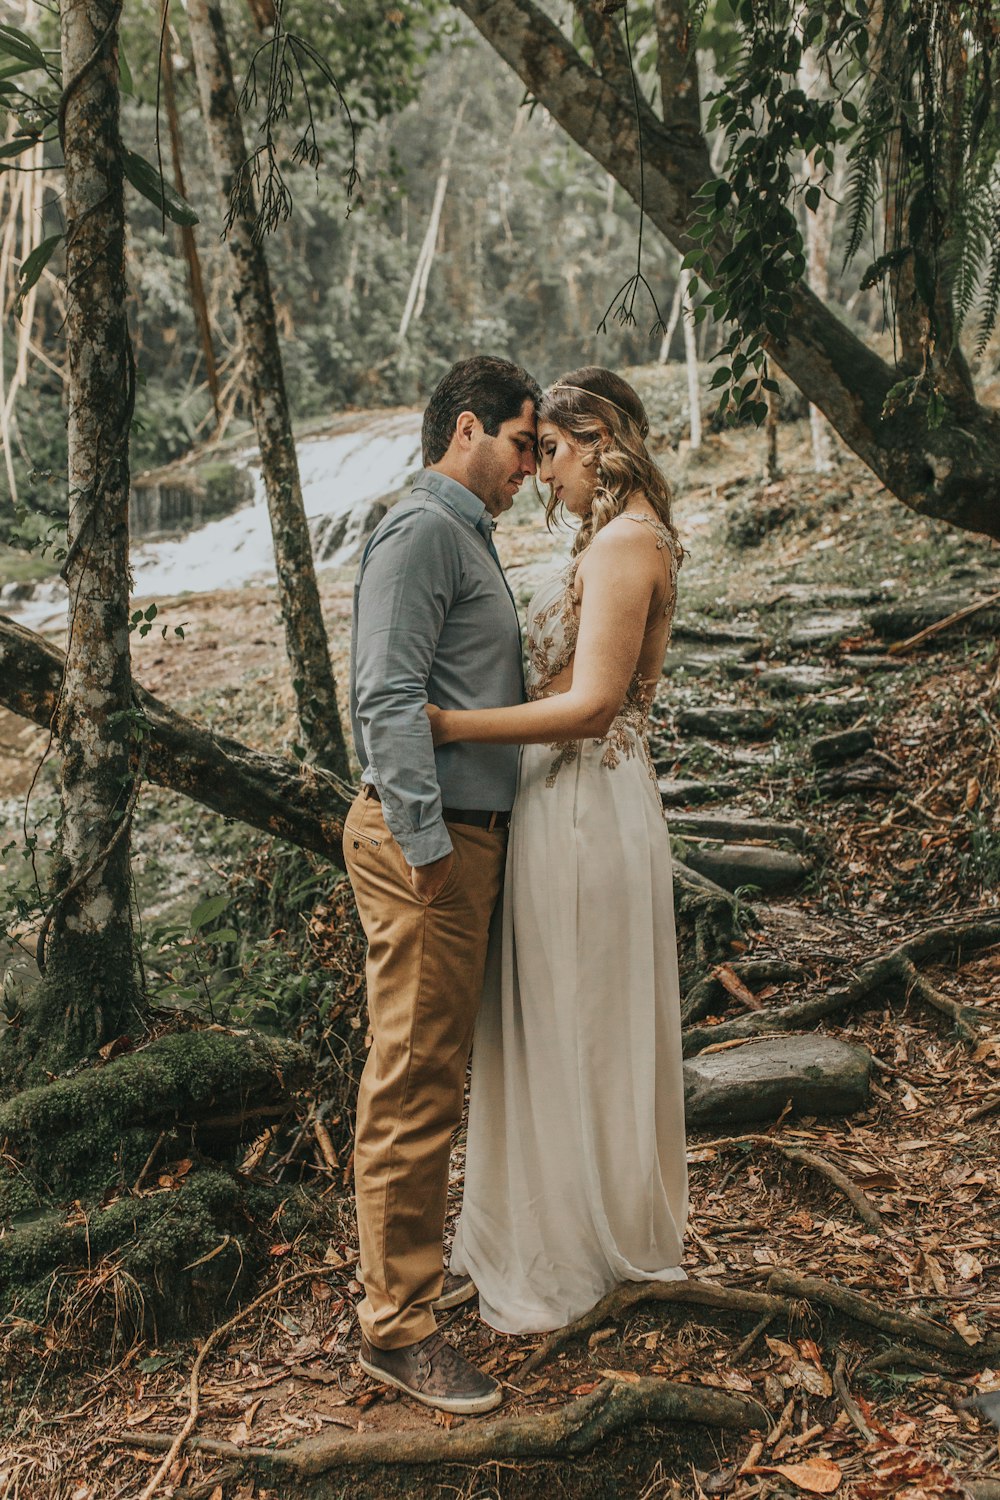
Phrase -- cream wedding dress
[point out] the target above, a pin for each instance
(575, 1175)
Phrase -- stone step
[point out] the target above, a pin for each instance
(825, 628)
(710, 634)
(905, 617)
(792, 681)
(679, 791)
(690, 661)
(772, 871)
(729, 723)
(730, 826)
(834, 749)
(755, 1081)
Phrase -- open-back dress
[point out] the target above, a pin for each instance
(575, 1175)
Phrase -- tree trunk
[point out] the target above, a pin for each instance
(305, 635)
(90, 993)
(819, 237)
(951, 471)
(195, 279)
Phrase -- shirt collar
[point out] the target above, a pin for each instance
(465, 504)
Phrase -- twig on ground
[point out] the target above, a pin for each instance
(859, 1200)
(847, 1401)
(175, 1443)
(744, 1347)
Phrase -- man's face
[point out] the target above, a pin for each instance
(498, 466)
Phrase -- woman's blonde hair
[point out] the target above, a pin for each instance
(603, 415)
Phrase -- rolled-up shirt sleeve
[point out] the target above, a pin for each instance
(409, 580)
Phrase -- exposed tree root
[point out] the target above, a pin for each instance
(965, 1017)
(565, 1431)
(891, 970)
(709, 991)
(859, 1200)
(906, 1326)
(786, 1291)
(847, 1401)
(631, 1293)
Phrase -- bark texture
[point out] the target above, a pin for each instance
(951, 472)
(305, 635)
(91, 993)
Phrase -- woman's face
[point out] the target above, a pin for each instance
(561, 465)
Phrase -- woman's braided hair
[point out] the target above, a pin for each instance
(603, 415)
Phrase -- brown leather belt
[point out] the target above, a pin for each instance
(475, 817)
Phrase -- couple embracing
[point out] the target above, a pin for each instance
(510, 861)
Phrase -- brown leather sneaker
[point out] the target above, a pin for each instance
(434, 1372)
(455, 1291)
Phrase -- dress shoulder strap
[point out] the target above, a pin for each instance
(665, 540)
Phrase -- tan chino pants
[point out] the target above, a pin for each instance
(425, 974)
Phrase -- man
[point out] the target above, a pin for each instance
(425, 842)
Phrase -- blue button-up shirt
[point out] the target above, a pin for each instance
(434, 621)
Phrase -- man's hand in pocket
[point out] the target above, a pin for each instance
(429, 880)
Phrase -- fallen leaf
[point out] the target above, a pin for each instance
(965, 1329)
(629, 1376)
(733, 984)
(972, 791)
(967, 1266)
(819, 1476)
(277, 1250)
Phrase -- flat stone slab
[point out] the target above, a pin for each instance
(729, 723)
(825, 627)
(736, 633)
(692, 661)
(874, 662)
(820, 1076)
(679, 791)
(903, 618)
(734, 827)
(798, 682)
(772, 871)
(835, 749)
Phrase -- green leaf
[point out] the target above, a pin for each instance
(812, 196)
(146, 180)
(207, 911)
(32, 267)
(16, 146)
(14, 43)
(125, 84)
(721, 377)
(223, 935)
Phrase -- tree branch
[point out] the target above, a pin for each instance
(952, 472)
(270, 792)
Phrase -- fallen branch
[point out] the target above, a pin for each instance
(575, 1428)
(847, 1401)
(898, 647)
(864, 1310)
(888, 970)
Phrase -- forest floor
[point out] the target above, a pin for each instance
(880, 1248)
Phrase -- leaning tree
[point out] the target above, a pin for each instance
(910, 97)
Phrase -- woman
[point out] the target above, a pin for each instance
(575, 1169)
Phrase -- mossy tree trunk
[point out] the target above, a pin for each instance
(305, 635)
(90, 992)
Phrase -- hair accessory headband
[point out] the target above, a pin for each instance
(597, 397)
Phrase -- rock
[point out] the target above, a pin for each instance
(735, 828)
(710, 634)
(819, 1075)
(734, 865)
(903, 618)
(729, 723)
(797, 682)
(825, 628)
(874, 772)
(875, 662)
(687, 661)
(834, 749)
(677, 791)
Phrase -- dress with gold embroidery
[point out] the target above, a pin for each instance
(575, 1173)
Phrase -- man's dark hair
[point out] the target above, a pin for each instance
(493, 389)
